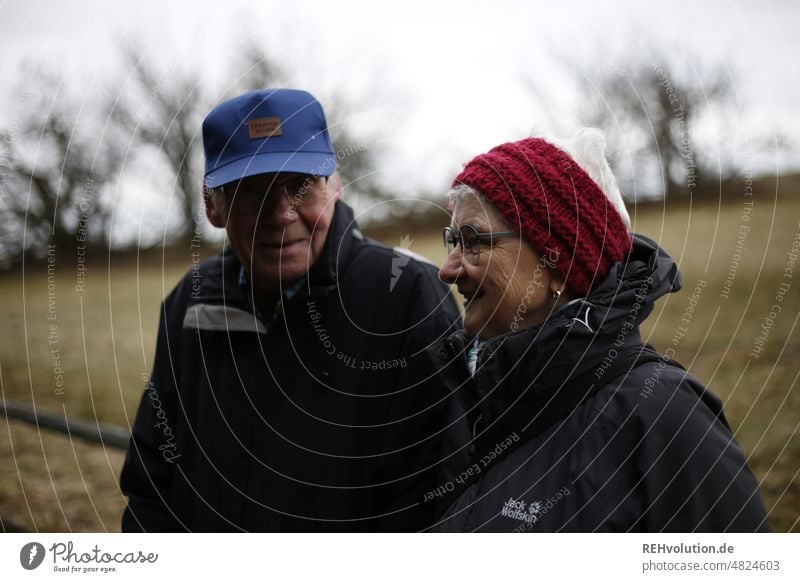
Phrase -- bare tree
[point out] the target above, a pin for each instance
(160, 109)
(58, 165)
(650, 112)
(253, 69)
(651, 108)
(357, 151)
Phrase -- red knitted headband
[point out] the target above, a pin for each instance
(555, 205)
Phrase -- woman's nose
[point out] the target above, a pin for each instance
(452, 268)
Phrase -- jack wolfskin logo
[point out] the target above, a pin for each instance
(520, 510)
(31, 555)
(400, 260)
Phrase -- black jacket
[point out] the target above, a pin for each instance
(316, 419)
(648, 449)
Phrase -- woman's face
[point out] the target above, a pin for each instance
(507, 286)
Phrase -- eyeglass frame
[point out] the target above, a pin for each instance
(231, 191)
(480, 237)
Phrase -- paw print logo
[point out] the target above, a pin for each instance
(535, 508)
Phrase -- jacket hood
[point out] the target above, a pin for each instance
(634, 285)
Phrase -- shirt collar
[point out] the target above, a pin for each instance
(287, 293)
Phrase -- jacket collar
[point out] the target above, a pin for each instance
(324, 274)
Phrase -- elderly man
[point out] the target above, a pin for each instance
(288, 391)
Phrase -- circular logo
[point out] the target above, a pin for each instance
(31, 555)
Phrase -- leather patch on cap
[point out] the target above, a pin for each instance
(264, 127)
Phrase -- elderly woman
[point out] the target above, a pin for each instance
(576, 425)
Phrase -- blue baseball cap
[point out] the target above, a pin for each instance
(266, 131)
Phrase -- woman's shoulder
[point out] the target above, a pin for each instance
(657, 401)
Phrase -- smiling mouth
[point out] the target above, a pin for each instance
(469, 298)
(282, 245)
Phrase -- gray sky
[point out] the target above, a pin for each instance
(442, 81)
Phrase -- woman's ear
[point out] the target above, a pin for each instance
(557, 286)
(214, 208)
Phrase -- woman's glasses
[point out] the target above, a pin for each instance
(470, 240)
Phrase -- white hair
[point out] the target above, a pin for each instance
(587, 147)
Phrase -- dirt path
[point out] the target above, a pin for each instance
(53, 484)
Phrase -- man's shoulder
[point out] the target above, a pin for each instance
(397, 283)
(372, 254)
(206, 279)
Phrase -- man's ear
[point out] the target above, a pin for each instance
(214, 212)
(335, 186)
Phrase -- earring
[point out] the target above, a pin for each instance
(556, 294)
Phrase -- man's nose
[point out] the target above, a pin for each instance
(278, 210)
(453, 267)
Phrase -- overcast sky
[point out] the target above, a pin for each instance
(443, 81)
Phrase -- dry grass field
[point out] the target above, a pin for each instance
(83, 352)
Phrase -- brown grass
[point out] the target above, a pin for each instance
(106, 339)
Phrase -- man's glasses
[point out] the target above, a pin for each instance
(470, 240)
(253, 196)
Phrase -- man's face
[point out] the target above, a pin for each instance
(276, 223)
